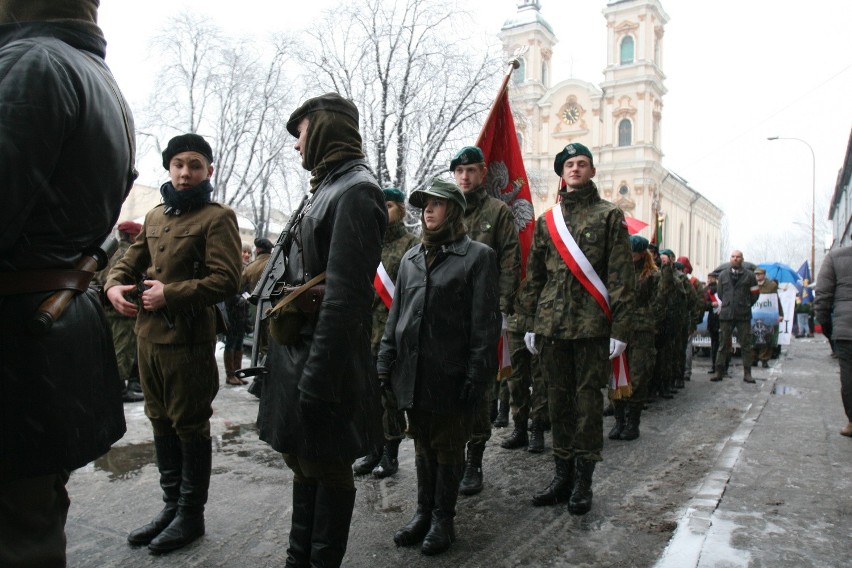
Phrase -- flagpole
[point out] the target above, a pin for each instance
(513, 64)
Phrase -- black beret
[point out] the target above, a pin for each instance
(467, 155)
(187, 143)
(264, 245)
(572, 150)
(332, 102)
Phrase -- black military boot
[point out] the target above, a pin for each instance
(518, 438)
(536, 438)
(366, 464)
(747, 375)
(332, 517)
(389, 464)
(560, 486)
(631, 427)
(442, 531)
(188, 525)
(301, 524)
(720, 372)
(581, 498)
(618, 412)
(169, 462)
(471, 483)
(502, 419)
(418, 526)
(493, 410)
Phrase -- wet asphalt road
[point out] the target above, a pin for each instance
(726, 474)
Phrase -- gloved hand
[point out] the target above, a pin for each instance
(827, 329)
(616, 347)
(470, 393)
(529, 341)
(315, 410)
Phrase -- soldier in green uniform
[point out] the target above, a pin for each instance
(696, 294)
(649, 311)
(581, 318)
(489, 221)
(123, 335)
(397, 241)
(189, 248)
(669, 354)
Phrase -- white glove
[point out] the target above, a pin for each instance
(505, 324)
(529, 341)
(616, 347)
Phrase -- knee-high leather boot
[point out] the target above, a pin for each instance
(418, 526)
(169, 462)
(301, 525)
(332, 516)
(442, 531)
(188, 525)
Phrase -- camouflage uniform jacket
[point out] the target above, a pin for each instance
(693, 302)
(650, 304)
(397, 241)
(490, 221)
(556, 301)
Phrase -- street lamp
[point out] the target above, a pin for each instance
(813, 199)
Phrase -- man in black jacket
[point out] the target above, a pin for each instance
(320, 403)
(66, 165)
(738, 291)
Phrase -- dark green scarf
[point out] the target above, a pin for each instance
(178, 202)
(332, 138)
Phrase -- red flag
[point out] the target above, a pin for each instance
(506, 173)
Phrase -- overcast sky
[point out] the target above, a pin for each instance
(737, 72)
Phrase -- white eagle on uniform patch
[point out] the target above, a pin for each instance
(497, 181)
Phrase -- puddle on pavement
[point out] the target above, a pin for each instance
(784, 389)
(124, 462)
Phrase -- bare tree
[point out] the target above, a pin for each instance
(237, 95)
(422, 86)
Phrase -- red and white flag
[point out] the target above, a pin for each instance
(384, 285)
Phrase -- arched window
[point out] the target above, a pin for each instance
(625, 132)
(698, 256)
(681, 245)
(520, 140)
(626, 50)
(544, 73)
(519, 75)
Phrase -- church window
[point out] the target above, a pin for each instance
(626, 50)
(625, 133)
(520, 140)
(518, 76)
(544, 73)
(681, 244)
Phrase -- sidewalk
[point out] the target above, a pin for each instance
(780, 494)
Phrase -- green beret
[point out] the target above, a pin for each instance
(331, 102)
(438, 188)
(571, 151)
(394, 194)
(187, 143)
(638, 243)
(467, 155)
(759, 270)
(668, 252)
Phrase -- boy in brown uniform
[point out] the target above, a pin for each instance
(189, 249)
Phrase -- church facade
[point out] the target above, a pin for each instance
(619, 120)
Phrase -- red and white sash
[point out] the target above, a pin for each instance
(583, 271)
(384, 285)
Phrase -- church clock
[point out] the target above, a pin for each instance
(571, 114)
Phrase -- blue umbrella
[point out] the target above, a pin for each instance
(781, 272)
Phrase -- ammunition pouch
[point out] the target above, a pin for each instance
(297, 306)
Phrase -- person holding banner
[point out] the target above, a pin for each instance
(489, 221)
(397, 241)
(738, 291)
(439, 353)
(769, 297)
(579, 295)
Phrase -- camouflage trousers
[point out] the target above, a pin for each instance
(393, 419)
(526, 373)
(744, 339)
(124, 339)
(641, 359)
(575, 371)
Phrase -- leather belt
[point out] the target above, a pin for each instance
(43, 280)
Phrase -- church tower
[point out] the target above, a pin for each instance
(630, 147)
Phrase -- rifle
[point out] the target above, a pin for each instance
(269, 287)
